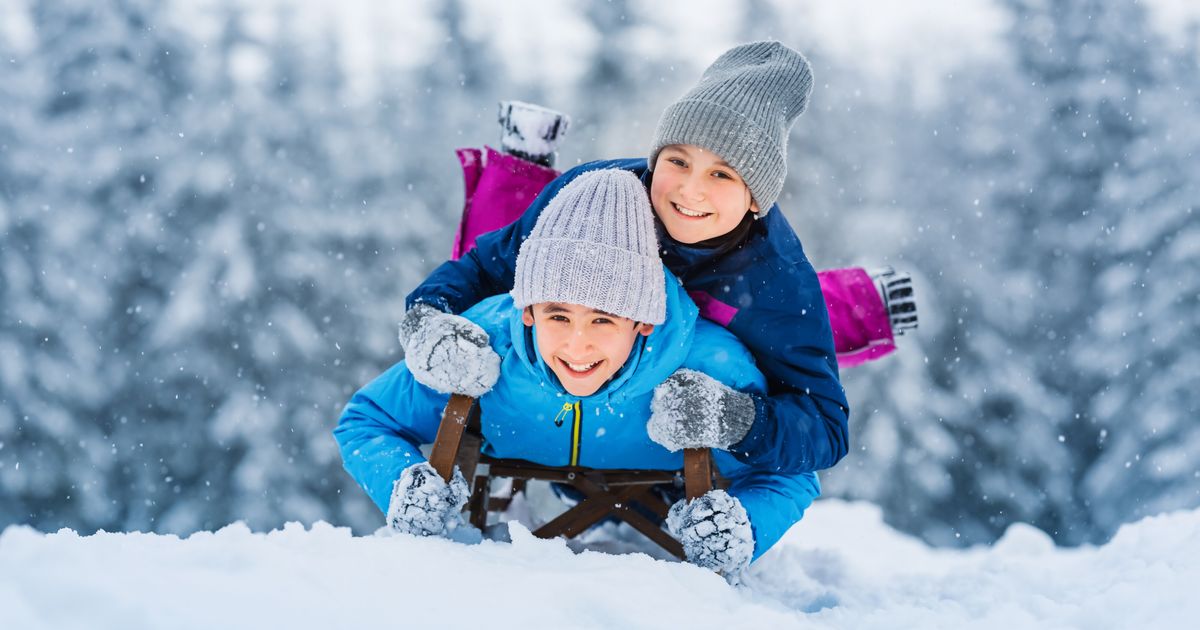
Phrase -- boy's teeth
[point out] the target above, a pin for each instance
(690, 213)
(578, 367)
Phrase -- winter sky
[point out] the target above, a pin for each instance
(921, 39)
(924, 39)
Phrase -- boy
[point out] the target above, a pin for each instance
(717, 165)
(592, 326)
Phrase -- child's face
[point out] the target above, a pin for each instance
(584, 347)
(696, 194)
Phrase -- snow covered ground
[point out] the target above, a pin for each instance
(840, 568)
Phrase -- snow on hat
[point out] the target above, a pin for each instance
(594, 245)
(742, 110)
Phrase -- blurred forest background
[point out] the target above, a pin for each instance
(210, 214)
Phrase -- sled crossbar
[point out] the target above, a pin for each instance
(606, 493)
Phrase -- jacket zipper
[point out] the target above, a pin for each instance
(575, 434)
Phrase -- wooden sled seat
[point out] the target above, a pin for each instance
(605, 494)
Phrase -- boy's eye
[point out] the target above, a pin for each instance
(558, 318)
(602, 320)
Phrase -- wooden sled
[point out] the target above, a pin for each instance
(606, 493)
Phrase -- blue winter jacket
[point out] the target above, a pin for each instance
(528, 415)
(765, 291)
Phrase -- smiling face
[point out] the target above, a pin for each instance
(584, 347)
(696, 194)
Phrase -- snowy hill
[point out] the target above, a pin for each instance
(840, 568)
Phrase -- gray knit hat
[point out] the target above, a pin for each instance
(742, 110)
(594, 245)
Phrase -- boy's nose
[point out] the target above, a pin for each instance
(578, 343)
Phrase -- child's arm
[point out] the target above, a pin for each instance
(489, 267)
(382, 427)
(802, 425)
(774, 503)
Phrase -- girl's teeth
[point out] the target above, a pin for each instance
(690, 213)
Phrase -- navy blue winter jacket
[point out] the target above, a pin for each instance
(764, 290)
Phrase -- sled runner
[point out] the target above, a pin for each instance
(606, 494)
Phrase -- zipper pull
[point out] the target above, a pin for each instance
(562, 414)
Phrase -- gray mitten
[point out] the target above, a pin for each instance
(693, 410)
(422, 504)
(715, 532)
(448, 353)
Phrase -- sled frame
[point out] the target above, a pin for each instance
(606, 493)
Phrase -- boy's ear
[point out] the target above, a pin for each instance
(646, 329)
(527, 315)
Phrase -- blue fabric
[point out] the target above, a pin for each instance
(528, 415)
(801, 422)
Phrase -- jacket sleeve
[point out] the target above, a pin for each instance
(381, 430)
(488, 268)
(802, 424)
(774, 503)
(862, 328)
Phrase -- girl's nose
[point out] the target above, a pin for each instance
(692, 188)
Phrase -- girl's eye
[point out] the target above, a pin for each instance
(722, 175)
(677, 162)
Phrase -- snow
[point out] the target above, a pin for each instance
(840, 568)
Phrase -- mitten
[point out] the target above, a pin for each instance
(896, 289)
(715, 532)
(693, 410)
(423, 504)
(448, 353)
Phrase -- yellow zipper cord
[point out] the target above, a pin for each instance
(575, 435)
(562, 414)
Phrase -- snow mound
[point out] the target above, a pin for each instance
(839, 568)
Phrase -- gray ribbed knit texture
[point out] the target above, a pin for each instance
(742, 110)
(594, 245)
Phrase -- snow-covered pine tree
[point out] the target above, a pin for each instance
(1090, 65)
(1140, 341)
(105, 133)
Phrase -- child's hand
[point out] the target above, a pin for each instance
(715, 532)
(448, 353)
(693, 410)
(423, 504)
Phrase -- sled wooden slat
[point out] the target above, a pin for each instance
(606, 493)
(652, 531)
(450, 434)
(697, 472)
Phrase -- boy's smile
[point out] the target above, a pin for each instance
(696, 194)
(584, 347)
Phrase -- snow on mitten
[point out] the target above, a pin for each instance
(693, 410)
(715, 532)
(448, 353)
(423, 504)
(896, 289)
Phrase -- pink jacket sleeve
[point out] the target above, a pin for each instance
(862, 329)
